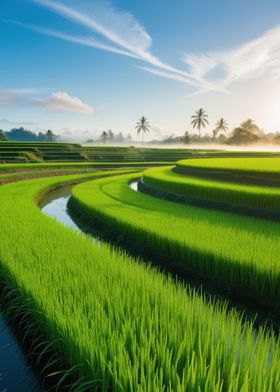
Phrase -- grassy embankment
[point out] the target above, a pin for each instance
(17, 172)
(251, 170)
(32, 152)
(241, 165)
(91, 165)
(230, 193)
(118, 323)
(24, 152)
(241, 251)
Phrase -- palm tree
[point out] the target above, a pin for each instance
(50, 135)
(250, 126)
(186, 138)
(3, 137)
(143, 126)
(199, 120)
(129, 138)
(221, 125)
(104, 136)
(110, 135)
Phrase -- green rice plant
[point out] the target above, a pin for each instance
(120, 324)
(268, 165)
(13, 167)
(29, 174)
(240, 250)
(251, 196)
(60, 152)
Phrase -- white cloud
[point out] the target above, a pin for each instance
(119, 32)
(63, 102)
(118, 27)
(128, 36)
(7, 98)
(10, 122)
(251, 60)
(13, 96)
(59, 101)
(180, 78)
(81, 40)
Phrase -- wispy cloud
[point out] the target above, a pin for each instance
(125, 34)
(63, 102)
(250, 60)
(201, 87)
(81, 40)
(118, 27)
(13, 96)
(10, 122)
(119, 32)
(59, 101)
(7, 98)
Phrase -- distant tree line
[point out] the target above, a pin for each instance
(142, 127)
(112, 138)
(3, 137)
(248, 132)
(21, 135)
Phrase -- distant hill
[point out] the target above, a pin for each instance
(23, 135)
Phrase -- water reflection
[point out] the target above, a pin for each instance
(16, 375)
(134, 185)
(57, 209)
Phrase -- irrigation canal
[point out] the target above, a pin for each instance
(16, 373)
(57, 208)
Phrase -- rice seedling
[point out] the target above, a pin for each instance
(240, 250)
(121, 325)
(251, 196)
(268, 165)
(13, 167)
(16, 152)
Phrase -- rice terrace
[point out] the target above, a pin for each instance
(139, 252)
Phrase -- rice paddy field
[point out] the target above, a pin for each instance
(32, 152)
(244, 170)
(100, 317)
(38, 152)
(240, 249)
(203, 188)
(265, 165)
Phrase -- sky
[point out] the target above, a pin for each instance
(80, 67)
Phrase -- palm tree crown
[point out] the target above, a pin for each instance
(221, 125)
(143, 126)
(104, 136)
(250, 126)
(50, 135)
(3, 137)
(199, 120)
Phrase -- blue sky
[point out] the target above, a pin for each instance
(82, 66)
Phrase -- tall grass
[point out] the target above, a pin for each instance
(124, 326)
(251, 196)
(243, 251)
